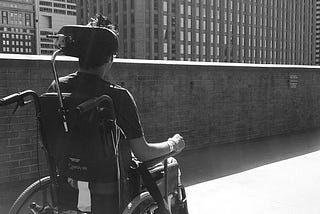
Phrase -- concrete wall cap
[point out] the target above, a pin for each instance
(159, 62)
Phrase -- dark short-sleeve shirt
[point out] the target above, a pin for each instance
(90, 86)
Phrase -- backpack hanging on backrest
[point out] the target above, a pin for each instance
(85, 152)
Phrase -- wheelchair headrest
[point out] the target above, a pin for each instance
(89, 40)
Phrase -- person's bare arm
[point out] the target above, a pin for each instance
(147, 151)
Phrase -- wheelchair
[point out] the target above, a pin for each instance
(88, 163)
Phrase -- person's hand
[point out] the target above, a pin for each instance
(177, 143)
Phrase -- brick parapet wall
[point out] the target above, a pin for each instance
(208, 103)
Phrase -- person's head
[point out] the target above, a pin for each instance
(102, 43)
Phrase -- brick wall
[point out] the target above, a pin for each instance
(207, 103)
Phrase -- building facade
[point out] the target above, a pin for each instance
(17, 27)
(317, 33)
(52, 15)
(249, 31)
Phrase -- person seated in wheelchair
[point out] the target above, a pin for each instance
(92, 80)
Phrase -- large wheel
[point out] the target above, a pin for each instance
(142, 204)
(145, 204)
(39, 192)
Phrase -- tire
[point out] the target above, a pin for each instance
(38, 192)
(145, 204)
(142, 204)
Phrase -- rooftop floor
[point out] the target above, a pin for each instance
(272, 175)
(277, 175)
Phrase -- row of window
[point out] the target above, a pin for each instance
(228, 5)
(16, 50)
(46, 52)
(58, 11)
(16, 43)
(253, 21)
(239, 49)
(15, 36)
(47, 46)
(18, 30)
(49, 4)
(15, 18)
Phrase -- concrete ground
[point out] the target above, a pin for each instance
(272, 175)
(277, 175)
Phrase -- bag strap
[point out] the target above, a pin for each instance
(153, 188)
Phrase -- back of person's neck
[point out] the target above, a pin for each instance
(97, 71)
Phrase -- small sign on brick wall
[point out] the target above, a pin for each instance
(293, 80)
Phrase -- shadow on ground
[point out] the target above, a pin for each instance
(210, 163)
(218, 161)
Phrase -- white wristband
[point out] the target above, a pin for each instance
(171, 145)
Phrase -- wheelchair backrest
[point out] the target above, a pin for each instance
(86, 151)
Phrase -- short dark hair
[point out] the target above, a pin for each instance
(102, 48)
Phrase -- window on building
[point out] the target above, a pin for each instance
(59, 5)
(155, 5)
(71, 13)
(165, 6)
(182, 22)
(173, 48)
(71, 7)
(47, 10)
(57, 11)
(156, 33)
(165, 47)
(182, 8)
(156, 47)
(28, 19)
(197, 11)
(20, 18)
(181, 36)
(173, 35)
(155, 19)
(173, 7)
(4, 15)
(181, 49)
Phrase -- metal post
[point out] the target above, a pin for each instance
(56, 78)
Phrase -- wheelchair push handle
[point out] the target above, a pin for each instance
(18, 98)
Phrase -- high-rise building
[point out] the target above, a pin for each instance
(51, 16)
(17, 27)
(252, 31)
(317, 33)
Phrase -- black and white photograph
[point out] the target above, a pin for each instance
(159, 106)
